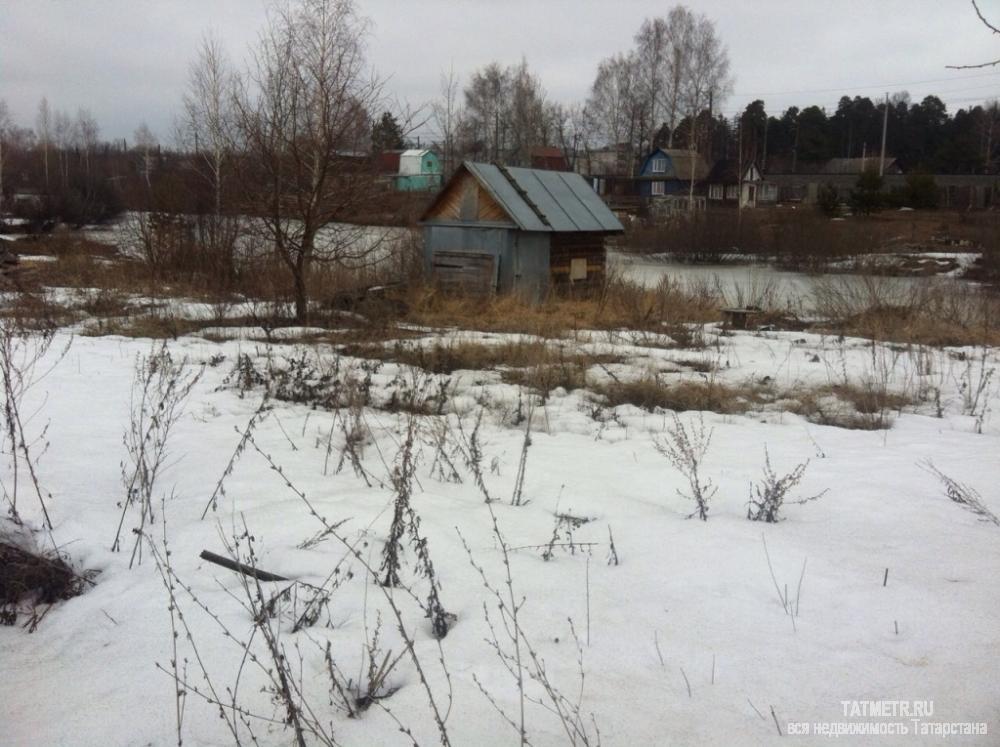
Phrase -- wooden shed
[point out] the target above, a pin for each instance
(515, 230)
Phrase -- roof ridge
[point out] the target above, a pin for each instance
(522, 193)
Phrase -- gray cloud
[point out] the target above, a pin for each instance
(127, 60)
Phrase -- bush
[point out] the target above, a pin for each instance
(867, 197)
(768, 496)
(922, 191)
(827, 201)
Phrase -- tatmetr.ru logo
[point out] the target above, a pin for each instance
(888, 708)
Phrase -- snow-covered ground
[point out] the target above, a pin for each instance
(685, 640)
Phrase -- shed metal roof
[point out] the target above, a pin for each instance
(551, 201)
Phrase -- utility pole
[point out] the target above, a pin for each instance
(885, 126)
(739, 174)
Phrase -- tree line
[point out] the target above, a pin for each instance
(923, 136)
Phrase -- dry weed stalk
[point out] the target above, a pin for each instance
(160, 388)
(21, 354)
(768, 496)
(523, 662)
(517, 498)
(964, 495)
(685, 448)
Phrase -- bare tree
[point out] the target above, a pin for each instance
(64, 138)
(505, 113)
(527, 121)
(302, 113)
(652, 49)
(4, 126)
(145, 141)
(485, 119)
(206, 126)
(86, 131)
(992, 27)
(680, 25)
(447, 114)
(706, 82)
(43, 131)
(206, 130)
(615, 109)
(567, 128)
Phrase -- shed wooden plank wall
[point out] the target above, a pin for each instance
(565, 247)
(465, 273)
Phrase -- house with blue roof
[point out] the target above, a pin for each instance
(670, 172)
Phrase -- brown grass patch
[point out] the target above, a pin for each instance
(856, 407)
(619, 305)
(652, 393)
(444, 357)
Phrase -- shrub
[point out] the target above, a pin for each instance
(768, 496)
(828, 201)
(866, 197)
(685, 449)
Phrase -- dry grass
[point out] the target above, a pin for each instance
(653, 393)
(922, 313)
(886, 309)
(852, 406)
(848, 406)
(531, 362)
(619, 305)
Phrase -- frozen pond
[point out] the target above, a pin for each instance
(765, 285)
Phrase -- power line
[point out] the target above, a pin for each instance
(874, 86)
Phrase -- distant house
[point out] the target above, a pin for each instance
(670, 172)
(611, 172)
(857, 166)
(419, 170)
(515, 230)
(726, 186)
(388, 163)
(801, 181)
(549, 158)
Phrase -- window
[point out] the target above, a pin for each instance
(715, 192)
(657, 188)
(659, 165)
(732, 192)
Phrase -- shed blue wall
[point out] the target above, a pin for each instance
(670, 187)
(523, 256)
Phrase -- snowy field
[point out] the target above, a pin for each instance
(684, 632)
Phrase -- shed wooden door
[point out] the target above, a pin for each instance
(465, 272)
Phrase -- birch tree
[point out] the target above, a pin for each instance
(302, 111)
(652, 51)
(206, 127)
(4, 127)
(447, 114)
(64, 137)
(615, 109)
(706, 82)
(43, 134)
(485, 120)
(145, 141)
(206, 130)
(86, 132)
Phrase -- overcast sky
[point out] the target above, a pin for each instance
(127, 60)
